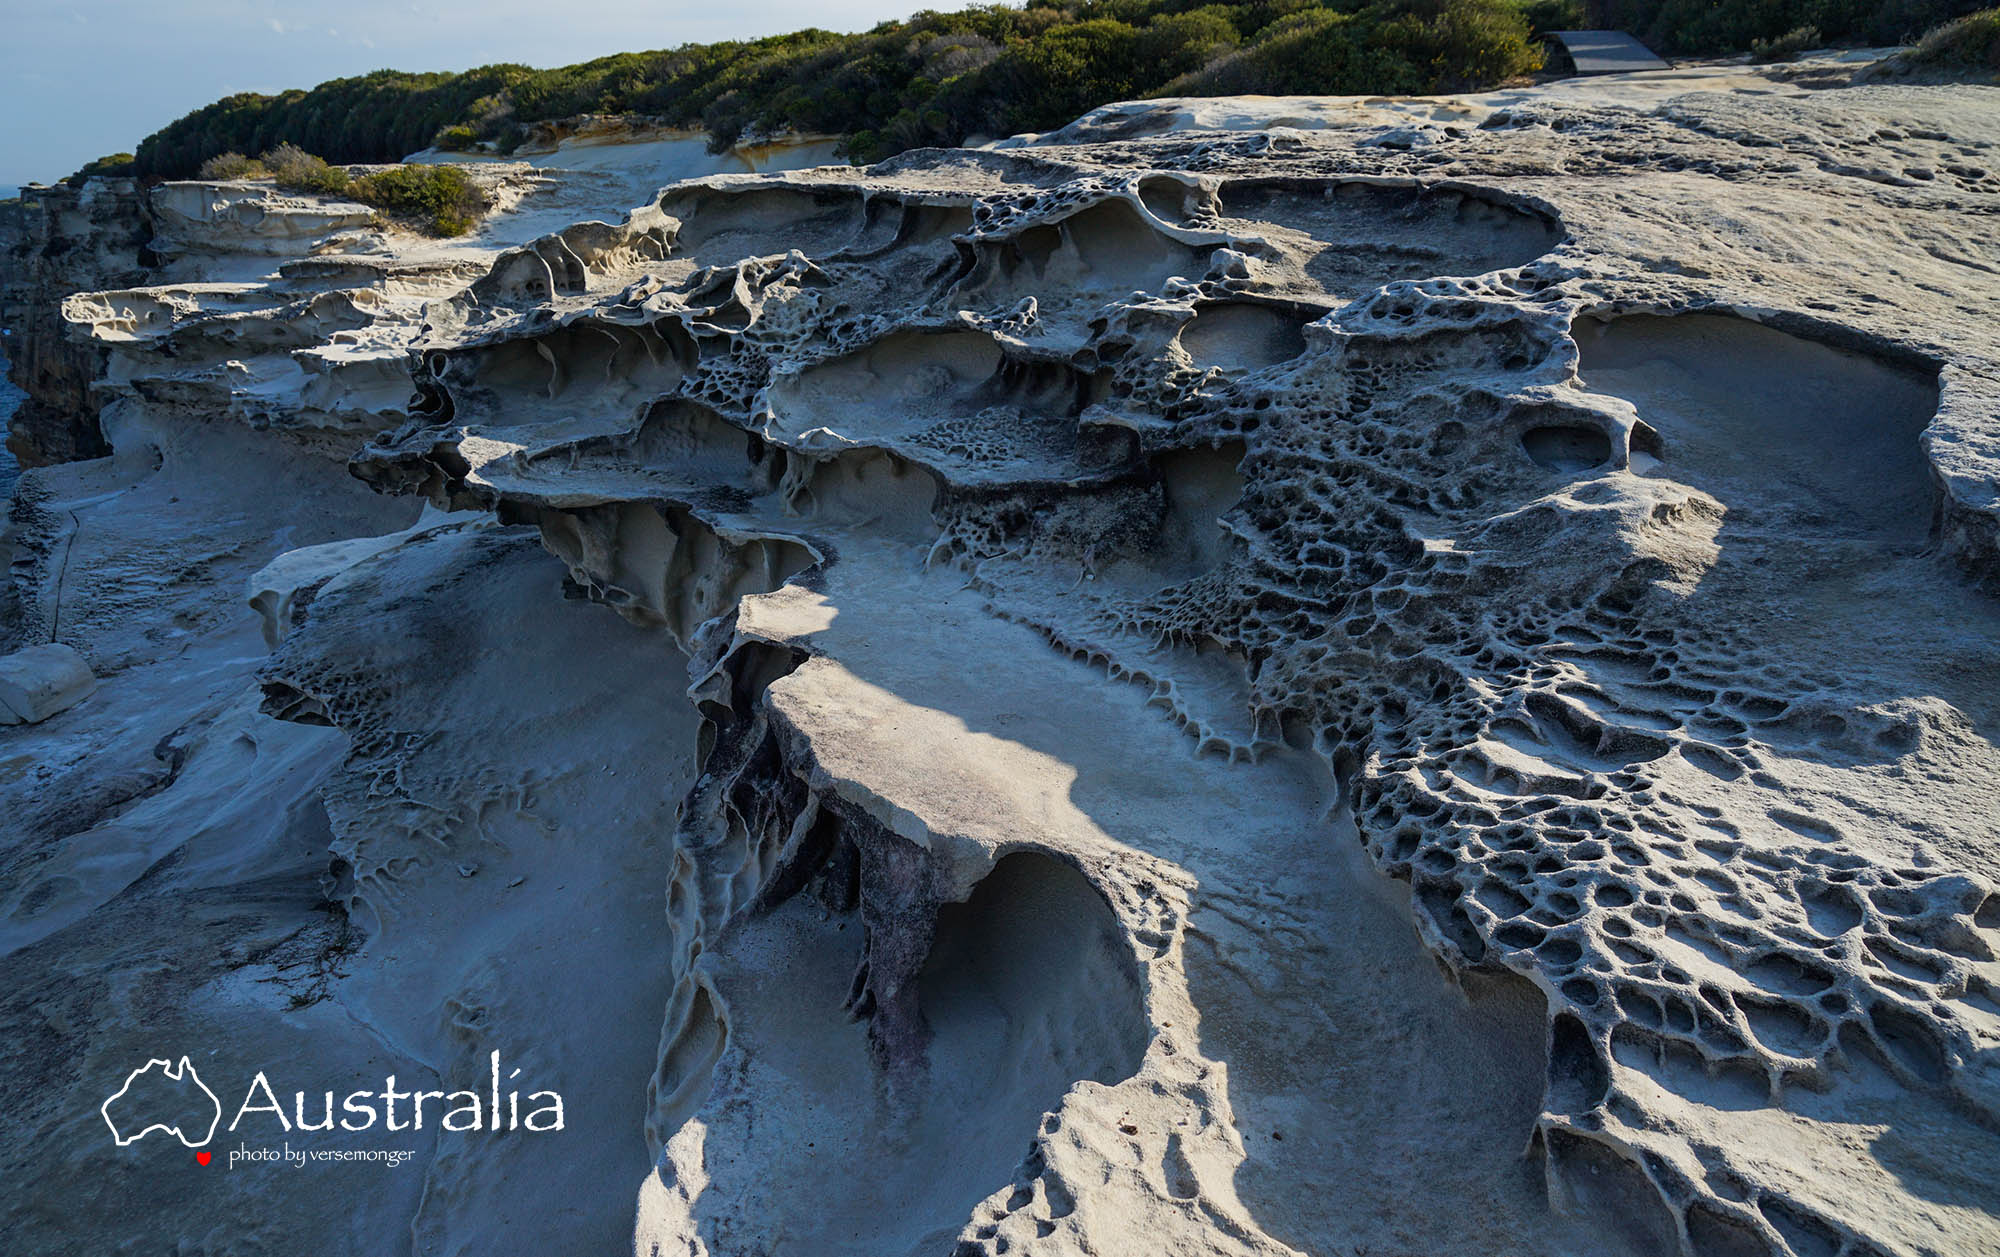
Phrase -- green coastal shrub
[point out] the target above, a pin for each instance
(1544, 16)
(1457, 45)
(458, 138)
(1069, 71)
(443, 200)
(990, 70)
(1316, 52)
(1450, 45)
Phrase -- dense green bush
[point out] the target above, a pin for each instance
(1453, 45)
(941, 78)
(1309, 52)
(935, 78)
(460, 137)
(1416, 47)
(1069, 71)
(1544, 16)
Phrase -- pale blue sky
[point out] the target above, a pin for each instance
(89, 77)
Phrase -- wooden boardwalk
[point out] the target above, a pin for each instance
(1607, 52)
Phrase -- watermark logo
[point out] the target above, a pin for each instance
(169, 1096)
(175, 1092)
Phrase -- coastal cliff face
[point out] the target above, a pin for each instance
(1246, 677)
(55, 242)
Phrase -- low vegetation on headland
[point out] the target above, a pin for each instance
(1969, 47)
(1719, 27)
(439, 200)
(993, 70)
(442, 200)
(932, 79)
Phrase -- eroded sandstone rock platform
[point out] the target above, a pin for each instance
(1389, 677)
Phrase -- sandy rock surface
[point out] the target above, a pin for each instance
(1249, 676)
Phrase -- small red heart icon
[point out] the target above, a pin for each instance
(202, 1158)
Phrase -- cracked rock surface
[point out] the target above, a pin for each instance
(1242, 677)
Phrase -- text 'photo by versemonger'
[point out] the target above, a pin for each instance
(1251, 675)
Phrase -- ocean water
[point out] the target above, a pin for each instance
(10, 397)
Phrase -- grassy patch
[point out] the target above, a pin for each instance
(1970, 43)
(232, 166)
(1966, 48)
(1786, 47)
(296, 170)
(110, 165)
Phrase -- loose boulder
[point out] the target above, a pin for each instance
(41, 681)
